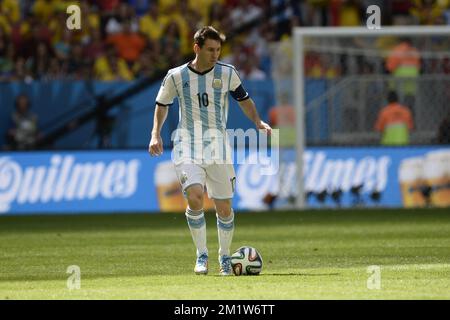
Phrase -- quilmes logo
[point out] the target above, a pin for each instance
(320, 172)
(64, 179)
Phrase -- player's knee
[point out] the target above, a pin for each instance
(195, 197)
(223, 208)
(224, 213)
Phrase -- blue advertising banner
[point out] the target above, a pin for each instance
(132, 181)
(348, 177)
(78, 182)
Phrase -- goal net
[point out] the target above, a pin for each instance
(350, 151)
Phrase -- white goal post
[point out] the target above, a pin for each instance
(299, 35)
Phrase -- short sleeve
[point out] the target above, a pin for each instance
(235, 80)
(237, 91)
(167, 91)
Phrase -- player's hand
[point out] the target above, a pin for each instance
(155, 147)
(264, 126)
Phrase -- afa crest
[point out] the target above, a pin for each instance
(217, 84)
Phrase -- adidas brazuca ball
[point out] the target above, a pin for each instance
(246, 261)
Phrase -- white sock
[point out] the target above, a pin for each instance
(197, 225)
(225, 228)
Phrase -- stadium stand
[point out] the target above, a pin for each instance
(162, 31)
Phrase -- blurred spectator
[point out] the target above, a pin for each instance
(9, 14)
(443, 136)
(55, 71)
(403, 62)
(63, 45)
(129, 44)
(57, 32)
(5, 25)
(31, 33)
(108, 5)
(283, 13)
(282, 117)
(152, 24)
(7, 64)
(257, 40)
(193, 22)
(171, 42)
(41, 59)
(76, 63)
(23, 133)
(317, 13)
(238, 56)
(95, 47)
(92, 22)
(177, 15)
(115, 20)
(146, 65)
(394, 122)
(245, 12)
(166, 5)
(428, 12)
(400, 11)
(250, 70)
(204, 8)
(11, 8)
(150, 61)
(109, 67)
(219, 18)
(140, 6)
(321, 66)
(6, 57)
(44, 9)
(446, 14)
(22, 71)
(349, 13)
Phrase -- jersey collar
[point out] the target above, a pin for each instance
(199, 73)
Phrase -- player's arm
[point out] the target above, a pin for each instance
(249, 108)
(247, 105)
(155, 146)
(165, 97)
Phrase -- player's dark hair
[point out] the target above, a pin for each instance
(392, 97)
(208, 33)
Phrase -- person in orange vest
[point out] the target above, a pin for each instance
(394, 121)
(282, 117)
(404, 57)
(403, 62)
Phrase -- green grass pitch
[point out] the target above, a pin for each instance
(307, 255)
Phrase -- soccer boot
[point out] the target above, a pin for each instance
(225, 266)
(201, 265)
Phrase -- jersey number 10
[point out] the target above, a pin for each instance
(203, 100)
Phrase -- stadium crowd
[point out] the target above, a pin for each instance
(125, 40)
(119, 40)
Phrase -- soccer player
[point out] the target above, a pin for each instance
(202, 87)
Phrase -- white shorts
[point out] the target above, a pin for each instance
(220, 179)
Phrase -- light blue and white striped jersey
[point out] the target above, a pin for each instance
(203, 106)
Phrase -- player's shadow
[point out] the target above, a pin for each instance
(301, 274)
(290, 274)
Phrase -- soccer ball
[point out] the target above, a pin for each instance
(246, 261)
